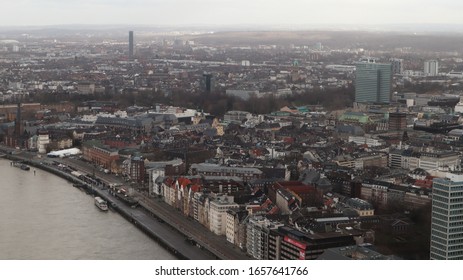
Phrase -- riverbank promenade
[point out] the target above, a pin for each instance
(182, 236)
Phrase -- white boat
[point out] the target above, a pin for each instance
(100, 203)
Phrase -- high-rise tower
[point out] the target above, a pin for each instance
(130, 44)
(373, 82)
(208, 83)
(447, 218)
(397, 66)
(431, 67)
(397, 121)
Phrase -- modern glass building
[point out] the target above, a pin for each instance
(373, 82)
(447, 218)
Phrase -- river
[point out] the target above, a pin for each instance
(44, 217)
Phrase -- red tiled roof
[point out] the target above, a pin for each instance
(183, 182)
(301, 189)
(195, 188)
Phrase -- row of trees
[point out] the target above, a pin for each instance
(216, 103)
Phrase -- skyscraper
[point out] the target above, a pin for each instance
(207, 82)
(373, 82)
(397, 65)
(431, 67)
(130, 44)
(447, 218)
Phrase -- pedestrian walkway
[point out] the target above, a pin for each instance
(218, 245)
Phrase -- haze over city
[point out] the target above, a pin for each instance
(232, 130)
(395, 14)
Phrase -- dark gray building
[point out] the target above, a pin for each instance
(130, 44)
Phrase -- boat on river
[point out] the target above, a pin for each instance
(25, 167)
(101, 203)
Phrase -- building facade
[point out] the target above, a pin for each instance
(447, 218)
(397, 121)
(431, 67)
(236, 227)
(257, 237)
(130, 44)
(135, 169)
(97, 153)
(411, 160)
(397, 66)
(218, 213)
(236, 116)
(43, 141)
(244, 173)
(373, 82)
(292, 244)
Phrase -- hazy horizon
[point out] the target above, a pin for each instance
(410, 29)
(290, 14)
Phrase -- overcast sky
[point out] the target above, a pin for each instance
(230, 12)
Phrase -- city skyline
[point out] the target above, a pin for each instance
(220, 131)
(296, 13)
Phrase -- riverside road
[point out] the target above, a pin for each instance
(217, 245)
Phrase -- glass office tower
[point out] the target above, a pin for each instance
(373, 82)
(447, 218)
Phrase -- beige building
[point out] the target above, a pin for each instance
(362, 207)
(42, 142)
(236, 227)
(219, 204)
(201, 208)
(218, 126)
(378, 159)
(169, 192)
(63, 143)
(86, 88)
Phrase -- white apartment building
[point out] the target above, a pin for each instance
(218, 207)
(431, 67)
(370, 142)
(441, 160)
(42, 142)
(154, 187)
(257, 236)
(230, 229)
